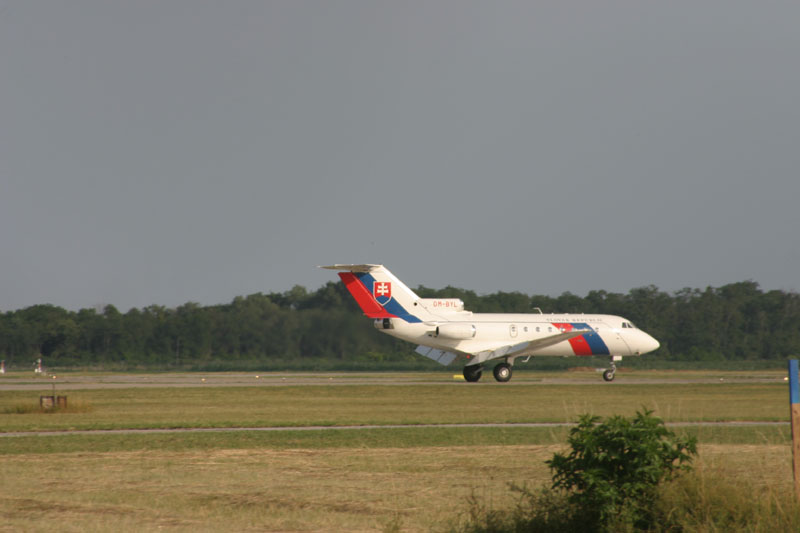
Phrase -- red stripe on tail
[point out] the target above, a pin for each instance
(363, 297)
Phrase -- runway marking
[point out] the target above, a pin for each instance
(740, 423)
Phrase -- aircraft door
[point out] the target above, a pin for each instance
(614, 340)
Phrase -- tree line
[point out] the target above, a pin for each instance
(738, 321)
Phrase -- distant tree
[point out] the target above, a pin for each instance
(506, 302)
(568, 303)
(735, 321)
(47, 330)
(192, 330)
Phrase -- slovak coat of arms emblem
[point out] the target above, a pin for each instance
(382, 291)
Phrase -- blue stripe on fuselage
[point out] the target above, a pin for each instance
(594, 340)
(392, 306)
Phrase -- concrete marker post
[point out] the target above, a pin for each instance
(794, 402)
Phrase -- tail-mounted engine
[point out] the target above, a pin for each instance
(455, 331)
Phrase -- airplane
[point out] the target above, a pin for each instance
(445, 331)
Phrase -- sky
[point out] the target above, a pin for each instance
(158, 152)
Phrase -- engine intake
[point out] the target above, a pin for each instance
(383, 323)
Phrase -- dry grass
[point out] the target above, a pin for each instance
(264, 490)
(418, 489)
(735, 488)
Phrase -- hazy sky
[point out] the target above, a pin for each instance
(159, 152)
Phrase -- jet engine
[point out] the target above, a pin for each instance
(455, 331)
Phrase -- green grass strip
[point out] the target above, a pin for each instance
(351, 438)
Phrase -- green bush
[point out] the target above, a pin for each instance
(610, 481)
(613, 472)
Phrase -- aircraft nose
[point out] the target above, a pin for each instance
(650, 344)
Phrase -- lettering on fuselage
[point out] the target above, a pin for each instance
(572, 318)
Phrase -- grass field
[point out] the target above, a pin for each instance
(404, 479)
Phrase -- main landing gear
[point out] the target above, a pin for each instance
(472, 373)
(502, 372)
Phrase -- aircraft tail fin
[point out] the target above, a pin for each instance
(380, 294)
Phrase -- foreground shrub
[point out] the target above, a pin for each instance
(699, 502)
(608, 482)
(614, 469)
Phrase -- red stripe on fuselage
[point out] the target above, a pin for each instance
(579, 344)
(363, 297)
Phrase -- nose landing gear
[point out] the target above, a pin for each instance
(608, 375)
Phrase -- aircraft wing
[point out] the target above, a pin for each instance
(440, 356)
(517, 350)
(527, 347)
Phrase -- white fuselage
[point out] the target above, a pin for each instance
(607, 334)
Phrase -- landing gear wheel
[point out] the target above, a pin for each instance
(608, 375)
(502, 372)
(473, 373)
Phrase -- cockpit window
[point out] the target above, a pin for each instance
(628, 325)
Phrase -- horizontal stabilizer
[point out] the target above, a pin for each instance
(440, 356)
(352, 268)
